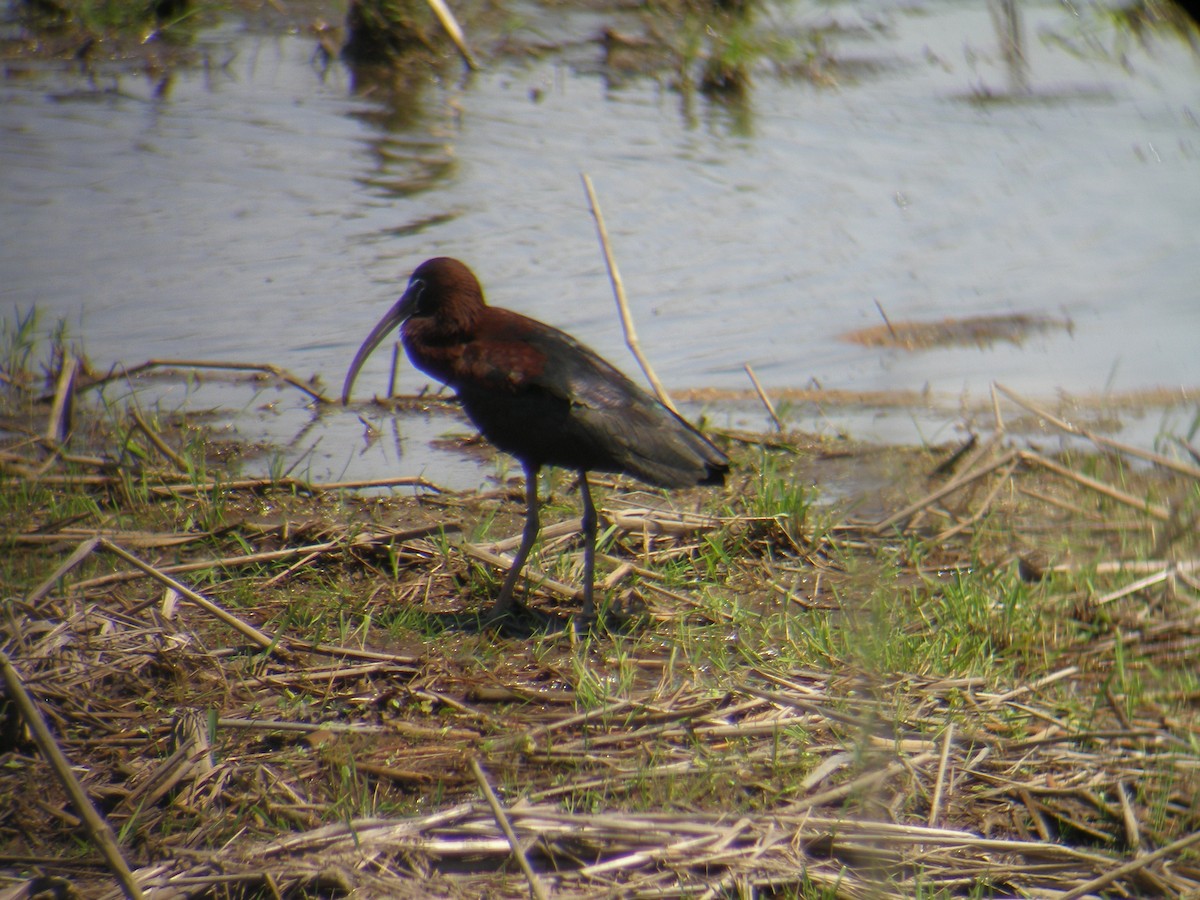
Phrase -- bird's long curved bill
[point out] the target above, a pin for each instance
(394, 318)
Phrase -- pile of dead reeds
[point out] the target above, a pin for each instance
(208, 749)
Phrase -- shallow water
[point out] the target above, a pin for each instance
(257, 209)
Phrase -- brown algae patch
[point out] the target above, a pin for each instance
(975, 331)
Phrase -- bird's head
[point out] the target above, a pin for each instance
(442, 292)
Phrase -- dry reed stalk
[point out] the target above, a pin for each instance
(614, 274)
(935, 805)
(286, 483)
(282, 725)
(1133, 566)
(181, 484)
(944, 491)
(683, 601)
(78, 555)
(304, 561)
(651, 854)
(549, 533)
(535, 884)
(329, 674)
(58, 424)
(1133, 837)
(127, 372)
(156, 439)
(629, 568)
(1066, 506)
(446, 17)
(610, 780)
(766, 401)
(190, 761)
(393, 377)
(891, 330)
(98, 828)
(530, 575)
(1032, 687)
(68, 480)
(1100, 440)
(359, 540)
(638, 519)
(398, 659)
(1151, 509)
(141, 539)
(544, 731)
(862, 783)
(984, 506)
(264, 641)
(1136, 587)
(1134, 865)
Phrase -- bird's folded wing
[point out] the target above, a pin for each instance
(637, 431)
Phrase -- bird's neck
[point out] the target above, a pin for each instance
(436, 351)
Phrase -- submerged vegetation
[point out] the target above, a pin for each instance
(716, 47)
(979, 681)
(94, 31)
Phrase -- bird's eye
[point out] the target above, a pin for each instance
(422, 306)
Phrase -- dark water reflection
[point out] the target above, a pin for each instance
(260, 209)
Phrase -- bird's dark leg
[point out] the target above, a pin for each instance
(589, 547)
(504, 602)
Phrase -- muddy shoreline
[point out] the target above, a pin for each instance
(982, 671)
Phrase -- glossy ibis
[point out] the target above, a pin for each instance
(539, 394)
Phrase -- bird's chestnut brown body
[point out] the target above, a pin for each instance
(539, 394)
